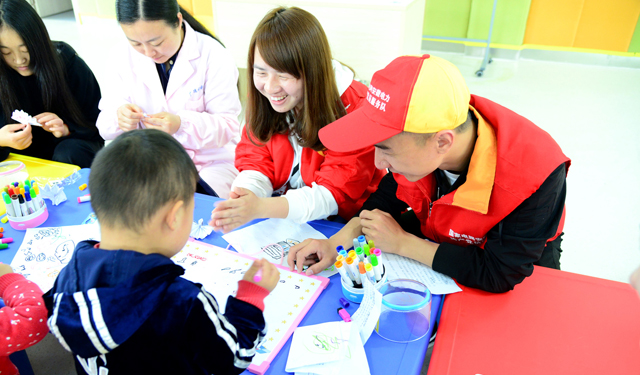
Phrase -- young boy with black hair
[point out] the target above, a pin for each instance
(120, 306)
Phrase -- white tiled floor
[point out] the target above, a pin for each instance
(593, 112)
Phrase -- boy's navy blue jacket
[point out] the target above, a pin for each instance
(132, 313)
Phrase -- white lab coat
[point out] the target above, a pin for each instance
(202, 90)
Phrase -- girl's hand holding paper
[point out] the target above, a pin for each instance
(16, 136)
(164, 121)
(53, 124)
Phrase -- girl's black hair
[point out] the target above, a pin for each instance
(44, 61)
(131, 11)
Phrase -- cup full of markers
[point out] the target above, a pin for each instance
(25, 207)
(357, 265)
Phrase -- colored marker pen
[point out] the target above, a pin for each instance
(360, 253)
(23, 206)
(258, 276)
(38, 194)
(376, 267)
(6, 240)
(370, 273)
(37, 201)
(371, 245)
(344, 314)
(16, 205)
(378, 253)
(343, 273)
(7, 202)
(339, 249)
(354, 271)
(84, 198)
(339, 258)
(362, 240)
(3, 246)
(363, 272)
(30, 207)
(352, 253)
(366, 250)
(356, 243)
(343, 253)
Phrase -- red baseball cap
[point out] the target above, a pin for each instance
(416, 94)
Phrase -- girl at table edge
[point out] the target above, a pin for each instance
(176, 77)
(50, 82)
(297, 89)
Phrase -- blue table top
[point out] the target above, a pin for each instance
(384, 357)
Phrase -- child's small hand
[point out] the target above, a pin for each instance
(270, 274)
(5, 269)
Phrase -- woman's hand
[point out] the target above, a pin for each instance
(53, 124)
(16, 136)
(129, 115)
(164, 121)
(241, 207)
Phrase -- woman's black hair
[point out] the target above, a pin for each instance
(44, 61)
(131, 11)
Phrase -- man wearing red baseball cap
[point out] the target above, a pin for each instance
(484, 184)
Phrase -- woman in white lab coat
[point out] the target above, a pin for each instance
(173, 75)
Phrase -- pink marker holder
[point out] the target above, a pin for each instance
(30, 221)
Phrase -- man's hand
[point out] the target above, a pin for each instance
(385, 232)
(317, 254)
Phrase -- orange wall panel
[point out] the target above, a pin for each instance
(607, 24)
(553, 22)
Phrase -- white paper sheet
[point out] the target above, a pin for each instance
(318, 344)
(367, 315)
(352, 362)
(44, 252)
(399, 267)
(272, 238)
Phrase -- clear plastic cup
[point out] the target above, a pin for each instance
(406, 311)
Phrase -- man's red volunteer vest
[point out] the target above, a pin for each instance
(511, 159)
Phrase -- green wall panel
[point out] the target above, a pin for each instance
(510, 22)
(634, 46)
(446, 18)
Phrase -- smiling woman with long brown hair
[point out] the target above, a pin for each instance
(297, 90)
(49, 81)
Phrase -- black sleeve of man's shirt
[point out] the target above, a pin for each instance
(385, 198)
(512, 246)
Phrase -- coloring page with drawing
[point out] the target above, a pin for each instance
(272, 238)
(219, 271)
(44, 252)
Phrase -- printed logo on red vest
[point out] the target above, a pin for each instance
(465, 238)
